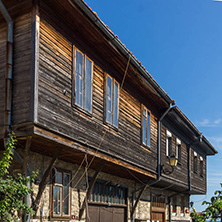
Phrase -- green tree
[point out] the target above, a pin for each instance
(12, 189)
(213, 209)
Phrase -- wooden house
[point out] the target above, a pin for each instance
(91, 120)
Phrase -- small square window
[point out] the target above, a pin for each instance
(195, 163)
(168, 143)
(201, 167)
(178, 150)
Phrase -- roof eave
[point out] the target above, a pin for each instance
(210, 149)
(115, 41)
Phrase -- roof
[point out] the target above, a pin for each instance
(195, 134)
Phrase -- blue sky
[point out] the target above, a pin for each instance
(180, 44)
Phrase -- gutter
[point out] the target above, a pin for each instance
(210, 148)
(9, 69)
(118, 45)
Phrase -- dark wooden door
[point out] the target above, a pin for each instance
(106, 214)
(94, 212)
(158, 216)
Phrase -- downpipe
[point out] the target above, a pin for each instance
(8, 91)
(9, 71)
(159, 141)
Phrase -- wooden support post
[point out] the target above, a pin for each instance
(44, 180)
(137, 200)
(27, 147)
(92, 183)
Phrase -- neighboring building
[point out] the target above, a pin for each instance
(92, 121)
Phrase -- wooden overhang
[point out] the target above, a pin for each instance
(93, 37)
(47, 142)
(181, 122)
(15, 8)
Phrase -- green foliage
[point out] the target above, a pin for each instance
(214, 206)
(213, 210)
(12, 190)
(6, 160)
(196, 217)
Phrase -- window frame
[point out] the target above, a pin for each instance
(113, 81)
(54, 184)
(174, 205)
(106, 193)
(168, 142)
(74, 74)
(183, 204)
(178, 150)
(195, 162)
(147, 117)
(201, 167)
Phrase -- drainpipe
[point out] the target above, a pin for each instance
(189, 170)
(133, 198)
(169, 206)
(159, 141)
(8, 91)
(9, 67)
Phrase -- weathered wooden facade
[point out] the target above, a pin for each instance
(93, 122)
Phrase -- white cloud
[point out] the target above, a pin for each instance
(209, 123)
(218, 121)
(216, 141)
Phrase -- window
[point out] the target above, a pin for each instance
(183, 205)
(158, 201)
(174, 206)
(61, 194)
(195, 163)
(201, 166)
(106, 193)
(168, 143)
(146, 127)
(178, 150)
(83, 81)
(112, 101)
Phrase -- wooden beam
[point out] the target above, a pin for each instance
(137, 200)
(35, 33)
(26, 151)
(44, 180)
(68, 141)
(92, 183)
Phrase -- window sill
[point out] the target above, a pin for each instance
(107, 204)
(111, 126)
(58, 218)
(82, 110)
(145, 147)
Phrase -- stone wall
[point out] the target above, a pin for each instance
(40, 163)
